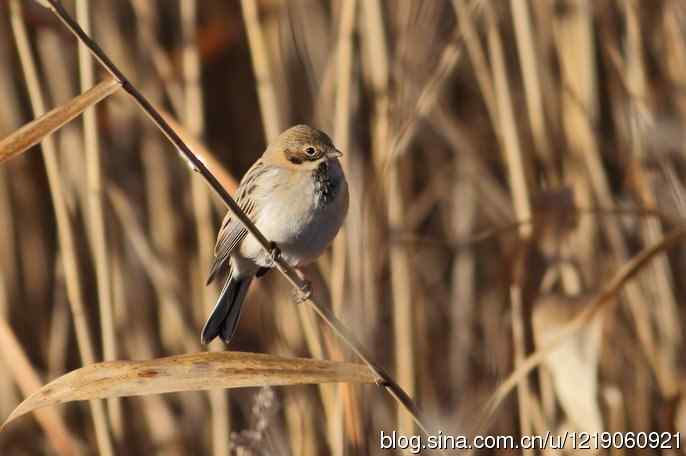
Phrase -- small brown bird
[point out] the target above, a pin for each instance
(297, 196)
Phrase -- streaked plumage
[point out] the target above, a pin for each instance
(297, 195)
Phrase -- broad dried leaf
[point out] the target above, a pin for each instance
(192, 372)
(574, 362)
(33, 132)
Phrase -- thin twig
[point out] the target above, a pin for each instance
(383, 378)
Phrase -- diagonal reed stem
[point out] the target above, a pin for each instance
(326, 314)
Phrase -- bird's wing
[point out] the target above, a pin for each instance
(232, 231)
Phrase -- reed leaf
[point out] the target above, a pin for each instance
(192, 372)
(33, 132)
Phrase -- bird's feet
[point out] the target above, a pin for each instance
(303, 294)
(274, 253)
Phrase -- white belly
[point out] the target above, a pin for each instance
(300, 226)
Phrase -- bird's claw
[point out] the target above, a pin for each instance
(382, 382)
(304, 293)
(274, 253)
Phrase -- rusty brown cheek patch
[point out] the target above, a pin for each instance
(294, 156)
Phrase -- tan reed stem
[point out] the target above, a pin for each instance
(194, 118)
(95, 215)
(266, 91)
(64, 230)
(341, 132)
(576, 47)
(517, 178)
(529, 63)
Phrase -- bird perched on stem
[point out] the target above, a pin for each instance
(297, 196)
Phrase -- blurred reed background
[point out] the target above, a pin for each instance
(458, 120)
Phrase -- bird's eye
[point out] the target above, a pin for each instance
(310, 151)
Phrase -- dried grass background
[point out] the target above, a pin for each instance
(459, 121)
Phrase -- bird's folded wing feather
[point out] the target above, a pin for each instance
(232, 231)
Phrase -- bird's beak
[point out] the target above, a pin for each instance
(334, 153)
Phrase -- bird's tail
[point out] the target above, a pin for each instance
(226, 313)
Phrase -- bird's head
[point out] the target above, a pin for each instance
(301, 147)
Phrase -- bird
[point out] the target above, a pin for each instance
(297, 196)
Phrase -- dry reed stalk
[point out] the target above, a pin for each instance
(516, 160)
(376, 60)
(497, 204)
(675, 48)
(163, 278)
(266, 92)
(18, 364)
(665, 311)
(341, 132)
(10, 119)
(529, 65)
(10, 112)
(28, 278)
(376, 48)
(299, 419)
(61, 87)
(344, 69)
(194, 118)
(401, 285)
(7, 237)
(464, 290)
(65, 235)
(573, 44)
(58, 341)
(448, 60)
(544, 19)
(428, 97)
(431, 196)
(477, 57)
(163, 231)
(314, 339)
(165, 228)
(574, 40)
(157, 413)
(95, 215)
(161, 62)
(8, 274)
(615, 416)
(517, 165)
(524, 396)
(398, 258)
(331, 395)
(38, 129)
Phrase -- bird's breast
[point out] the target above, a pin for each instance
(302, 215)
